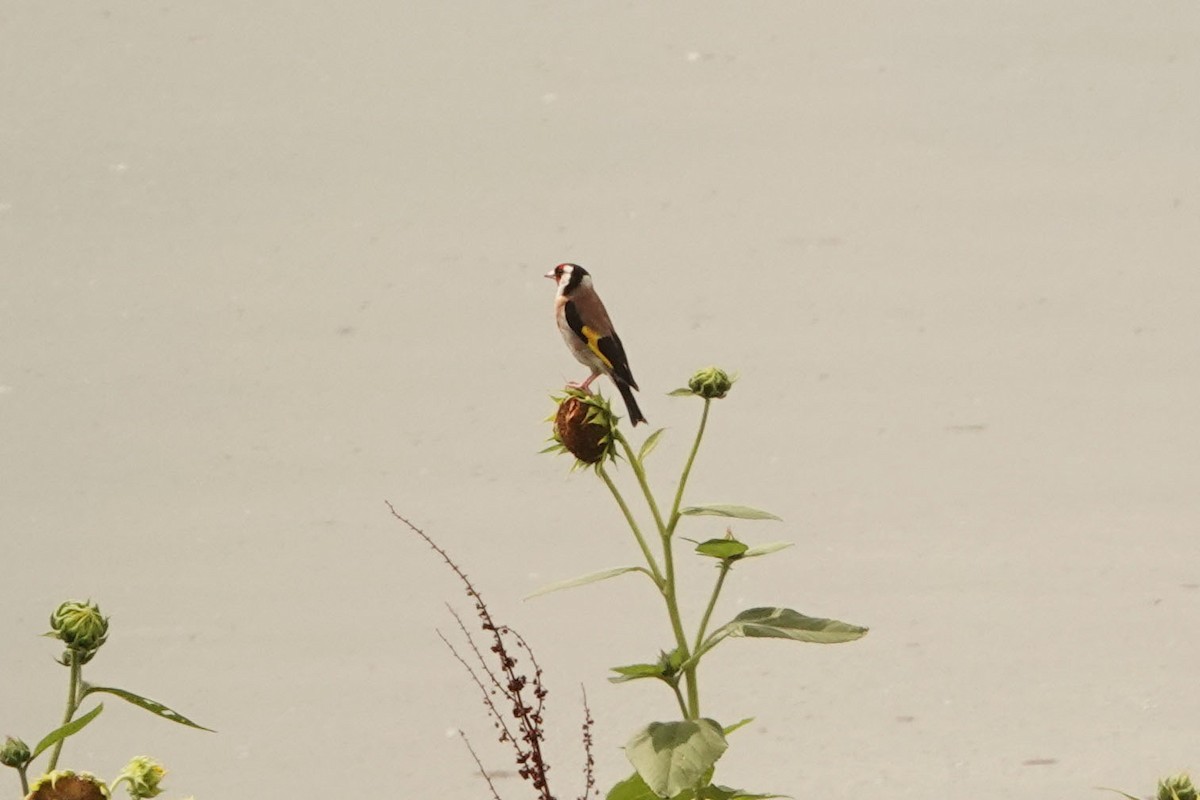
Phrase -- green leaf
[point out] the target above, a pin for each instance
(725, 793)
(649, 445)
(722, 548)
(71, 728)
(583, 580)
(725, 510)
(633, 672)
(766, 549)
(153, 706)
(673, 756)
(682, 392)
(739, 724)
(632, 788)
(1118, 791)
(784, 623)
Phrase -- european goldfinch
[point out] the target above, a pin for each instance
(589, 334)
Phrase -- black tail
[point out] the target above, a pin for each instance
(635, 413)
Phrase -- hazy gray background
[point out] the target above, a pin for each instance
(265, 265)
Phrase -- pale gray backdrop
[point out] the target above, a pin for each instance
(265, 265)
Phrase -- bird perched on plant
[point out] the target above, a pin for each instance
(589, 333)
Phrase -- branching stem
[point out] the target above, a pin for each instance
(651, 562)
(726, 565)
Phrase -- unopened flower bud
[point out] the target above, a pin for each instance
(67, 785)
(81, 627)
(142, 775)
(711, 383)
(14, 753)
(1177, 787)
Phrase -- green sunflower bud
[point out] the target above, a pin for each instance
(68, 785)
(1177, 787)
(711, 383)
(143, 776)
(81, 627)
(15, 753)
(585, 427)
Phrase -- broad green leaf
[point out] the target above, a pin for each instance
(784, 623)
(58, 734)
(725, 510)
(632, 788)
(153, 706)
(722, 548)
(632, 672)
(739, 724)
(583, 580)
(766, 549)
(673, 756)
(681, 392)
(649, 445)
(725, 793)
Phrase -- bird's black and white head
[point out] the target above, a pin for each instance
(569, 277)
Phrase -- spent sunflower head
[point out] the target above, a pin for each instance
(584, 426)
(64, 784)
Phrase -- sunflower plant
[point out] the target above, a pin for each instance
(676, 758)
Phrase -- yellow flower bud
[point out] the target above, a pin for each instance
(143, 776)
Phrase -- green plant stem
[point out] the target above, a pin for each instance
(667, 587)
(72, 706)
(689, 673)
(687, 469)
(726, 565)
(633, 526)
(24, 779)
(683, 709)
(641, 478)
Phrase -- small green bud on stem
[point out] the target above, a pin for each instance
(1177, 787)
(143, 776)
(15, 753)
(81, 627)
(711, 383)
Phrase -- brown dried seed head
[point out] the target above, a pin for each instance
(585, 440)
(67, 785)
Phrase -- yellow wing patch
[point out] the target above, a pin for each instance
(593, 343)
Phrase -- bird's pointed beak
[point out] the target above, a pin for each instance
(549, 274)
